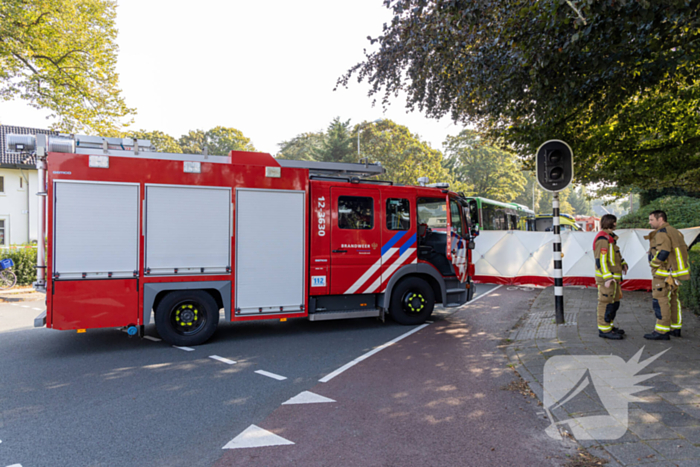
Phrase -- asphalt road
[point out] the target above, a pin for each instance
(104, 399)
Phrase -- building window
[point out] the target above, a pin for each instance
(2, 230)
(398, 214)
(2, 184)
(355, 213)
(21, 182)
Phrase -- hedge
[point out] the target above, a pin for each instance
(25, 260)
(682, 212)
(689, 293)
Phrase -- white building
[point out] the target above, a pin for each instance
(18, 188)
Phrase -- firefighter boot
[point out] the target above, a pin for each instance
(656, 336)
(610, 335)
(675, 332)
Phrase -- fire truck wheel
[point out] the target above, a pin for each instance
(412, 301)
(188, 317)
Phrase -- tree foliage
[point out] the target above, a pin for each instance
(218, 141)
(161, 141)
(60, 55)
(545, 199)
(485, 170)
(579, 202)
(302, 147)
(617, 79)
(682, 212)
(337, 145)
(404, 156)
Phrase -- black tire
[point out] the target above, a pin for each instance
(412, 301)
(7, 279)
(186, 318)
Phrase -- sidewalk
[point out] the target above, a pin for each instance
(664, 427)
(20, 294)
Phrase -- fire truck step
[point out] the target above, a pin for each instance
(345, 314)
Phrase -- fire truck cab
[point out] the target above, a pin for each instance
(131, 232)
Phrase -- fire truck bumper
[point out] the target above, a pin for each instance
(40, 321)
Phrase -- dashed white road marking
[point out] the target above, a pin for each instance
(255, 437)
(25, 306)
(271, 375)
(15, 465)
(38, 309)
(307, 397)
(186, 349)
(330, 376)
(151, 338)
(222, 359)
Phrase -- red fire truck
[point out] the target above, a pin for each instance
(132, 231)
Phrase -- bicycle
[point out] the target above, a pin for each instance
(8, 279)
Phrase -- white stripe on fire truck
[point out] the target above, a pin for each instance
(385, 258)
(370, 272)
(390, 270)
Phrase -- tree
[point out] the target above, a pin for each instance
(619, 80)
(161, 141)
(337, 146)
(218, 141)
(404, 156)
(580, 204)
(488, 171)
(222, 140)
(526, 196)
(302, 147)
(61, 55)
(545, 202)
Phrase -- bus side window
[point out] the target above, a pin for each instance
(489, 215)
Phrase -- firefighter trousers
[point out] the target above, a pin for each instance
(608, 304)
(667, 306)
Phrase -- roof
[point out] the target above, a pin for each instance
(16, 159)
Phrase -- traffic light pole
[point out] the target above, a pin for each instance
(558, 276)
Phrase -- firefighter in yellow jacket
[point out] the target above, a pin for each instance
(668, 258)
(609, 267)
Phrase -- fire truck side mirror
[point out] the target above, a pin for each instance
(471, 245)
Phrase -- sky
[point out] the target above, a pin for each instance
(267, 69)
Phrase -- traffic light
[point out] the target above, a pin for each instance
(555, 165)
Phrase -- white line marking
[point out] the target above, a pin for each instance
(15, 465)
(151, 338)
(271, 375)
(307, 397)
(186, 349)
(255, 437)
(330, 376)
(25, 306)
(222, 359)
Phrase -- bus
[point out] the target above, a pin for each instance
(488, 214)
